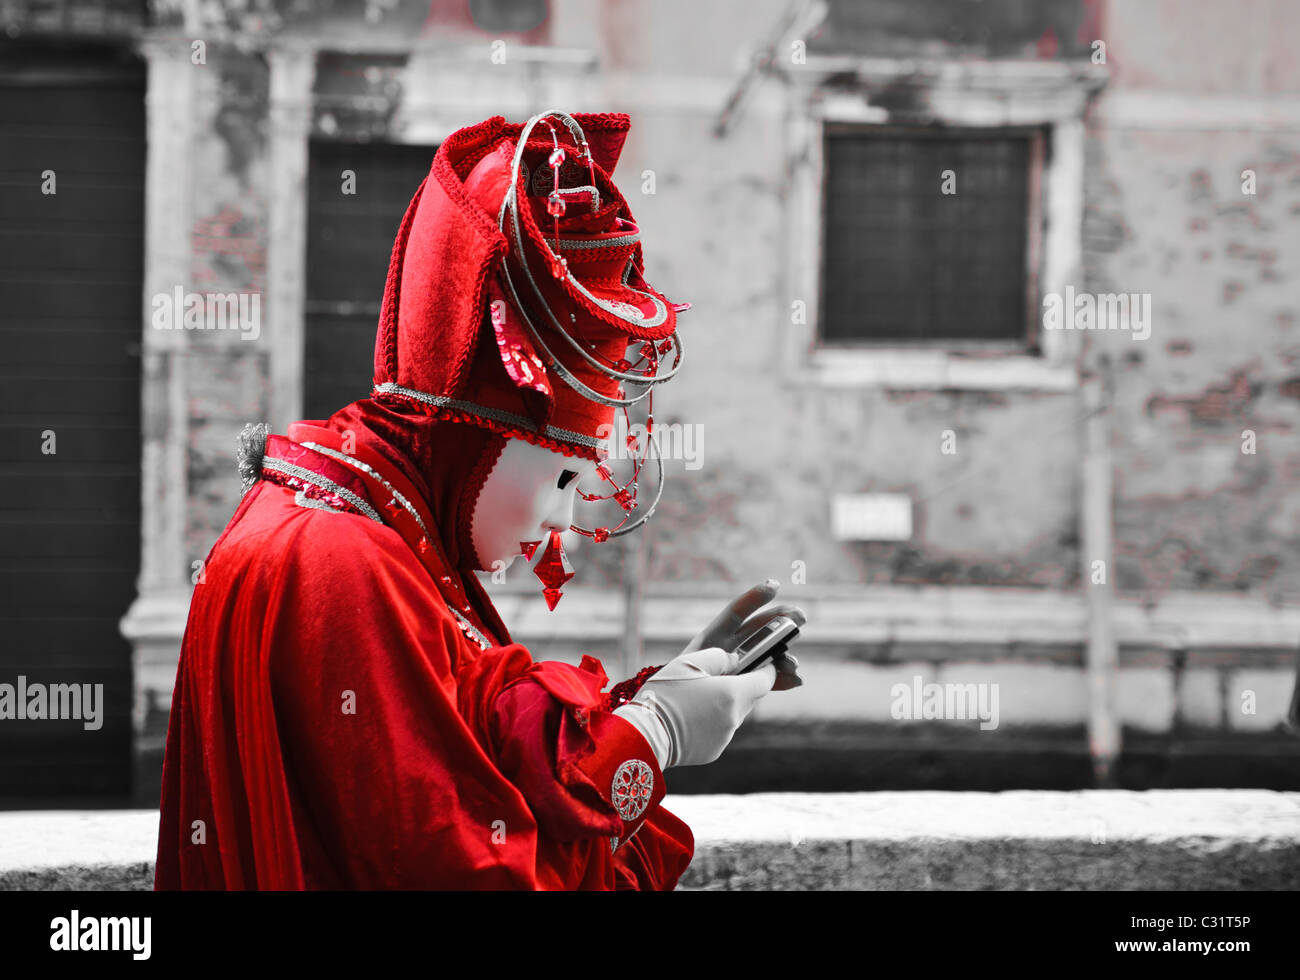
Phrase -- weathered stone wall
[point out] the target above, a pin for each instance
(1001, 512)
(714, 211)
(1186, 113)
(1198, 92)
(227, 372)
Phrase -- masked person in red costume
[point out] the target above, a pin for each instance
(349, 709)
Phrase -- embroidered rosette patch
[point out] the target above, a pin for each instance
(626, 310)
(633, 785)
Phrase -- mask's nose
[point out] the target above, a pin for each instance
(559, 517)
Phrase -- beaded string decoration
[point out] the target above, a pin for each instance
(624, 691)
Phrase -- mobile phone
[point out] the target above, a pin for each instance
(766, 643)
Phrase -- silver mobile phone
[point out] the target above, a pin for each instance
(766, 643)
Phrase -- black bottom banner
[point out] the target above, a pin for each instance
(992, 929)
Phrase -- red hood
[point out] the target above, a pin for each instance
(447, 461)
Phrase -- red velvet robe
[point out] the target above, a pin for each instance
(333, 725)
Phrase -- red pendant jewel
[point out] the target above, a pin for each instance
(526, 548)
(553, 569)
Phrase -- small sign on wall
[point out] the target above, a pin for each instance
(871, 517)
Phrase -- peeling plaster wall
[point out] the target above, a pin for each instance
(1005, 29)
(1003, 511)
(1167, 216)
(226, 371)
(1000, 512)
(1163, 214)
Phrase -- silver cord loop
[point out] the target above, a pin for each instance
(510, 205)
(659, 461)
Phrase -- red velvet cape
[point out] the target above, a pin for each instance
(334, 726)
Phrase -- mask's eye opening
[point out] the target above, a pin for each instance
(566, 477)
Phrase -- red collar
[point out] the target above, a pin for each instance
(399, 506)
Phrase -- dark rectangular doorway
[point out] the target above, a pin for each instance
(72, 178)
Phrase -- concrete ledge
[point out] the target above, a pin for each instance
(1024, 840)
(52, 850)
(1175, 839)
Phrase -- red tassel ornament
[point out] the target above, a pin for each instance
(553, 569)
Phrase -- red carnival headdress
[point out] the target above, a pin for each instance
(515, 294)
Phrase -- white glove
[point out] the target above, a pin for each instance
(689, 710)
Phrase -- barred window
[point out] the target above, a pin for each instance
(930, 236)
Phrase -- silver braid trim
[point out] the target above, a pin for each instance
(311, 503)
(351, 461)
(495, 414)
(582, 244)
(309, 476)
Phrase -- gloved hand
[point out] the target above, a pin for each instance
(689, 710)
(741, 617)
